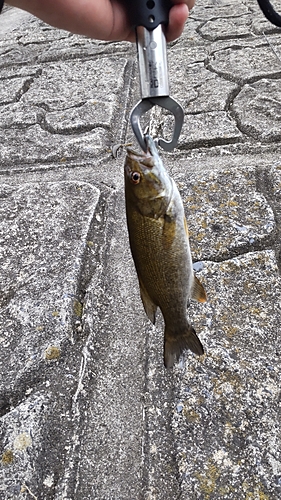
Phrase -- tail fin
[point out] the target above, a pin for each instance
(175, 344)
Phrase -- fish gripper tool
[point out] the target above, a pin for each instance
(149, 17)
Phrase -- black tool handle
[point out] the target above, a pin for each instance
(148, 13)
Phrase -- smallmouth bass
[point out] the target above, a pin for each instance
(159, 243)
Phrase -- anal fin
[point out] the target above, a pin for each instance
(148, 304)
(198, 292)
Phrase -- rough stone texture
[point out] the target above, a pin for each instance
(87, 410)
(205, 91)
(228, 409)
(257, 109)
(205, 129)
(221, 9)
(226, 213)
(226, 28)
(55, 102)
(246, 64)
(43, 238)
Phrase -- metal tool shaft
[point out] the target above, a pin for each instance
(150, 17)
(153, 66)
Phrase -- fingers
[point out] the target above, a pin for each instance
(190, 3)
(177, 18)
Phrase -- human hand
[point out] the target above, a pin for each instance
(99, 19)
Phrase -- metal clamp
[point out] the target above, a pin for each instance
(145, 105)
(154, 84)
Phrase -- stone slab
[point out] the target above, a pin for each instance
(31, 145)
(257, 109)
(204, 130)
(92, 114)
(225, 199)
(197, 89)
(43, 237)
(56, 117)
(226, 28)
(65, 85)
(219, 9)
(245, 64)
(227, 411)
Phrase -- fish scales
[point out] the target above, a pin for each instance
(158, 282)
(160, 248)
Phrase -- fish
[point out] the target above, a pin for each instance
(159, 242)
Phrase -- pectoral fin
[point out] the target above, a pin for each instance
(148, 304)
(198, 292)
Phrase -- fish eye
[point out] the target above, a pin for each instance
(135, 177)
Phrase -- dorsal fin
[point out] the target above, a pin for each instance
(198, 292)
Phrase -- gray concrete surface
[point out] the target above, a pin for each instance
(87, 409)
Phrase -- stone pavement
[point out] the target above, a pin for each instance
(87, 409)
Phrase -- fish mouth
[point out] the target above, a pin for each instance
(150, 152)
(135, 155)
(145, 159)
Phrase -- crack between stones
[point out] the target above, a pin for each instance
(25, 87)
(57, 161)
(215, 18)
(45, 165)
(150, 391)
(75, 131)
(230, 98)
(235, 116)
(265, 187)
(220, 38)
(84, 57)
(14, 77)
(40, 42)
(239, 80)
(92, 268)
(71, 130)
(92, 259)
(239, 252)
(205, 143)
